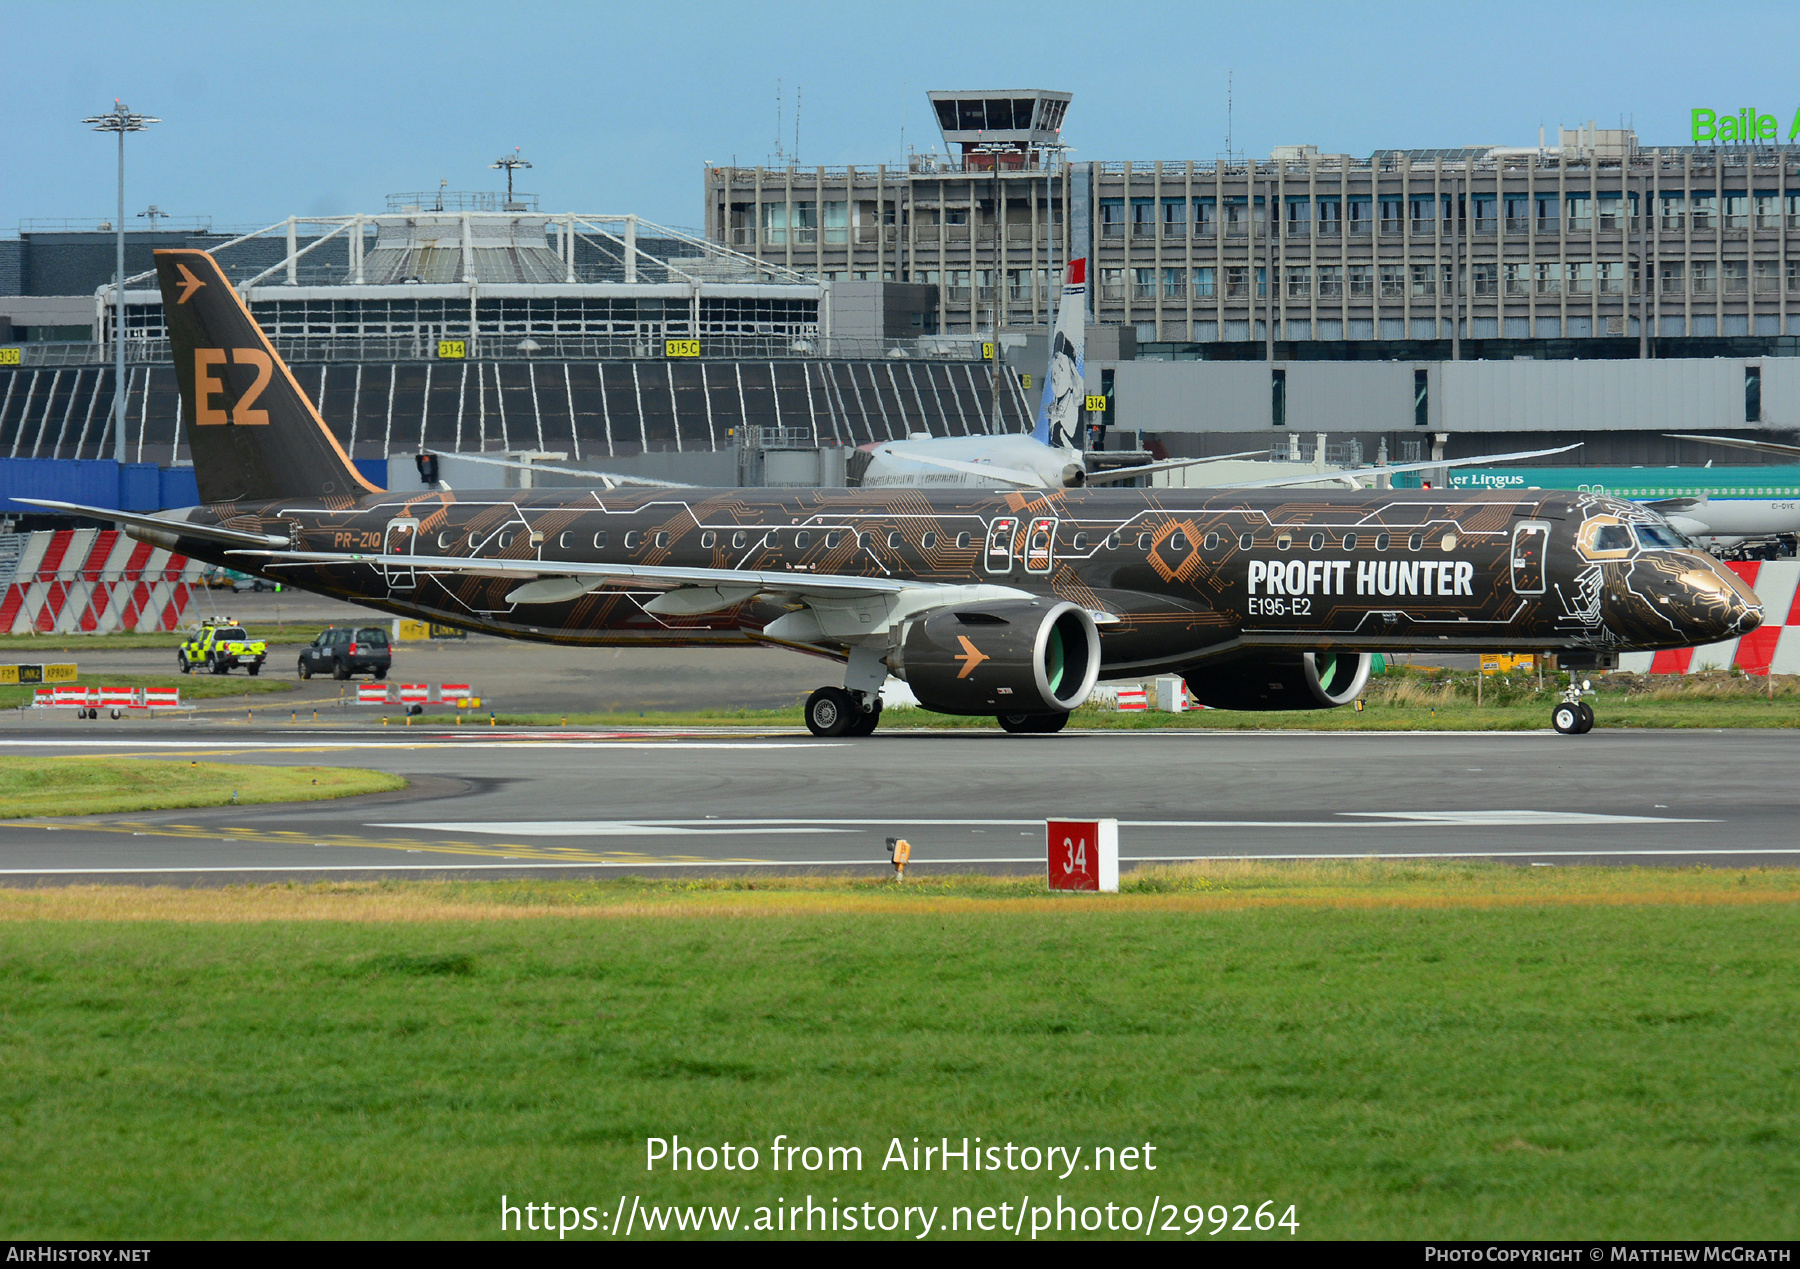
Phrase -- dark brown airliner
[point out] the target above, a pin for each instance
(1006, 604)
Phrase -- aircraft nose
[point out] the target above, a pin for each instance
(1719, 604)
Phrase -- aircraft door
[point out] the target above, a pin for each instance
(1040, 545)
(1529, 544)
(402, 537)
(998, 557)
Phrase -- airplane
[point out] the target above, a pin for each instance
(1008, 604)
(1052, 457)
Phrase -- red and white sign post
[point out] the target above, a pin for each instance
(1082, 854)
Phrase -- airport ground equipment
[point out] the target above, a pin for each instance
(344, 651)
(219, 645)
(1008, 604)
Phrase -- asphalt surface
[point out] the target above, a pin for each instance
(491, 802)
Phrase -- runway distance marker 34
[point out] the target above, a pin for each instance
(1004, 603)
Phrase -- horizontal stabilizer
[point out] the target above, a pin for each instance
(158, 525)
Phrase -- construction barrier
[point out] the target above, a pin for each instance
(117, 697)
(92, 581)
(108, 698)
(372, 694)
(1133, 698)
(162, 697)
(414, 693)
(458, 692)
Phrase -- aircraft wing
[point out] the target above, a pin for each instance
(1670, 506)
(1732, 442)
(214, 532)
(1011, 475)
(1107, 475)
(819, 585)
(1368, 473)
(611, 480)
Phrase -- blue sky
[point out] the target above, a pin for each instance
(324, 108)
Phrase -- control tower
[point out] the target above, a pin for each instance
(1004, 128)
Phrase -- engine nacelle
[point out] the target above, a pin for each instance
(1282, 680)
(1010, 656)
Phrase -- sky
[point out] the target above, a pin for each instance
(325, 108)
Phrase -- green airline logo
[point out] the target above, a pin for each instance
(1746, 125)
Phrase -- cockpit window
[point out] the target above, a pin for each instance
(1653, 537)
(1612, 537)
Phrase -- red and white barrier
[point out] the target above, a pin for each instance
(74, 698)
(117, 697)
(454, 692)
(415, 693)
(372, 694)
(162, 697)
(109, 698)
(1775, 643)
(43, 698)
(96, 581)
(1133, 698)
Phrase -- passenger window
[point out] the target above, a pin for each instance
(1449, 542)
(1178, 541)
(1283, 542)
(893, 541)
(802, 540)
(1316, 542)
(1112, 541)
(472, 542)
(1381, 541)
(443, 541)
(633, 540)
(565, 540)
(928, 541)
(739, 540)
(1212, 542)
(832, 539)
(1416, 541)
(1080, 542)
(600, 540)
(864, 541)
(962, 540)
(505, 540)
(709, 539)
(1244, 541)
(1350, 541)
(662, 539)
(1143, 541)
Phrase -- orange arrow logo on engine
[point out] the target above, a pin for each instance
(971, 657)
(189, 284)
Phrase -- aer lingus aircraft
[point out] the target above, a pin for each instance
(1004, 603)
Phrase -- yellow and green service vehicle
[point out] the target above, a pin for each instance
(219, 643)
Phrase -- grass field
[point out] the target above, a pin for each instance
(1396, 1050)
(96, 786)
(1397, 701)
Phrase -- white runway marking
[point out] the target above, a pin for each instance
(315, 743)
(1035, 861)
(1365, 820)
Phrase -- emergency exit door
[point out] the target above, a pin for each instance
(402, 536)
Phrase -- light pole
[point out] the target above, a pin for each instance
(120, 120)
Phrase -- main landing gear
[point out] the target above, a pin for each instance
(833, 711)
(1572, 715)
(1041, 724)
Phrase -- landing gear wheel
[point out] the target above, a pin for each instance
(305, 669)
(1566, 719)
(865, 722)
(1587, 718)
(830, 712)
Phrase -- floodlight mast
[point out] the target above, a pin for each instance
(121, 120)
(511, 162)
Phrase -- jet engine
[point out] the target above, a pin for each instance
(1024, 656)
(1282, 680)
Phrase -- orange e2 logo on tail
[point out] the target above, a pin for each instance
(207, 385)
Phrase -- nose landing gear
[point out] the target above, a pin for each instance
(1572, 715)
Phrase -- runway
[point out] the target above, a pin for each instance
(489, 802)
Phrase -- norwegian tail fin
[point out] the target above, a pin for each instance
(254, 435)
(1065, 386)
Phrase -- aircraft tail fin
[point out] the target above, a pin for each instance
(1065, 386)
(253, 433)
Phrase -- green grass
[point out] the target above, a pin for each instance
(94, 786)
(193, 686)
(1398, 1051)
(36, 647)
